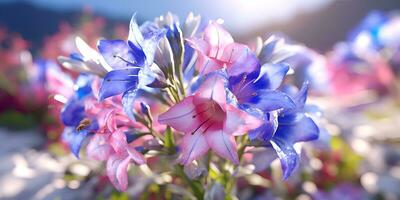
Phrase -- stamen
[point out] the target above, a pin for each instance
(123, 59)
(200, 126)
(195, 115)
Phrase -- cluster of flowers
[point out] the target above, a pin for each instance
(170, 81)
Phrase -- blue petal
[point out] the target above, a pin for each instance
(119, 54)
(269, 100)
(73, 112)
(271, 76)
(174, 36)
(242, 86)
(150, 43)
(127, 102)
(74, 139)
(287, 155)
(267, 51)
(147, 77)
(372, 25)
(243, 57)
(297, 130)
(188, 66)
(145, 38)
(301, 97)
(83, 86)
(266, 130)
(119, 81)
(135, 35)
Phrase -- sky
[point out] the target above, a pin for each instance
(241, 16)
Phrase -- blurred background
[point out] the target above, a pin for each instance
(358, 154)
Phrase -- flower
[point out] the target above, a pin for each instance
(111, 144)
(293, 126)
(284, 120)
(208, 122)
(216, 50)
(131, 63)
(77, 124)
(128, 58)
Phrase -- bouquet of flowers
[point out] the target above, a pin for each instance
(186, 104)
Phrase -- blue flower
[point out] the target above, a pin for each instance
(73, 114)
(291, 126)
(128, 59)
(130, 62)
(258, 88)
(370, 26)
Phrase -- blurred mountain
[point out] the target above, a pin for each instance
(31, 22)
(322, 29)
(35, 23)
(319, 30)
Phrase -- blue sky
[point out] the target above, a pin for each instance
(241, 16)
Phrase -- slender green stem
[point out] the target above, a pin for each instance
(197, 189)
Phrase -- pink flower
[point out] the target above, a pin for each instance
(110, 144)
(216, 50)
(208, 122)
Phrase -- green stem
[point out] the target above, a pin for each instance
(197, 189)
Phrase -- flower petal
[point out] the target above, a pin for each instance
(205, 64)
(213, 88)
(239, 59)
(266, 130)
(135, 35)
(271, 76)
(149, 45)
(218, 38)
(127, 102)
(98, 147)
(239, 122)
(287, 155)
(74, 139)
(269, 100)
(303, 129)
(117, 171)
(223, 144)
(73, 112)
(118, 81)
(193, 146)
(118, 54)
(201, 46)
(118, 141)
(136, 156)
(180, 115)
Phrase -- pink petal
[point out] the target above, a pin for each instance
(117, 171)
(223, 144)
(217, 38)
(98, 148)
(239, 122)
(201, 46)
(205, 64)
(180, 115)
(118, 141)
(136, 156)
(193, 146)
(214, 89)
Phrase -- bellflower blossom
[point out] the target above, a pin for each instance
(211, 94)
(208, 122)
